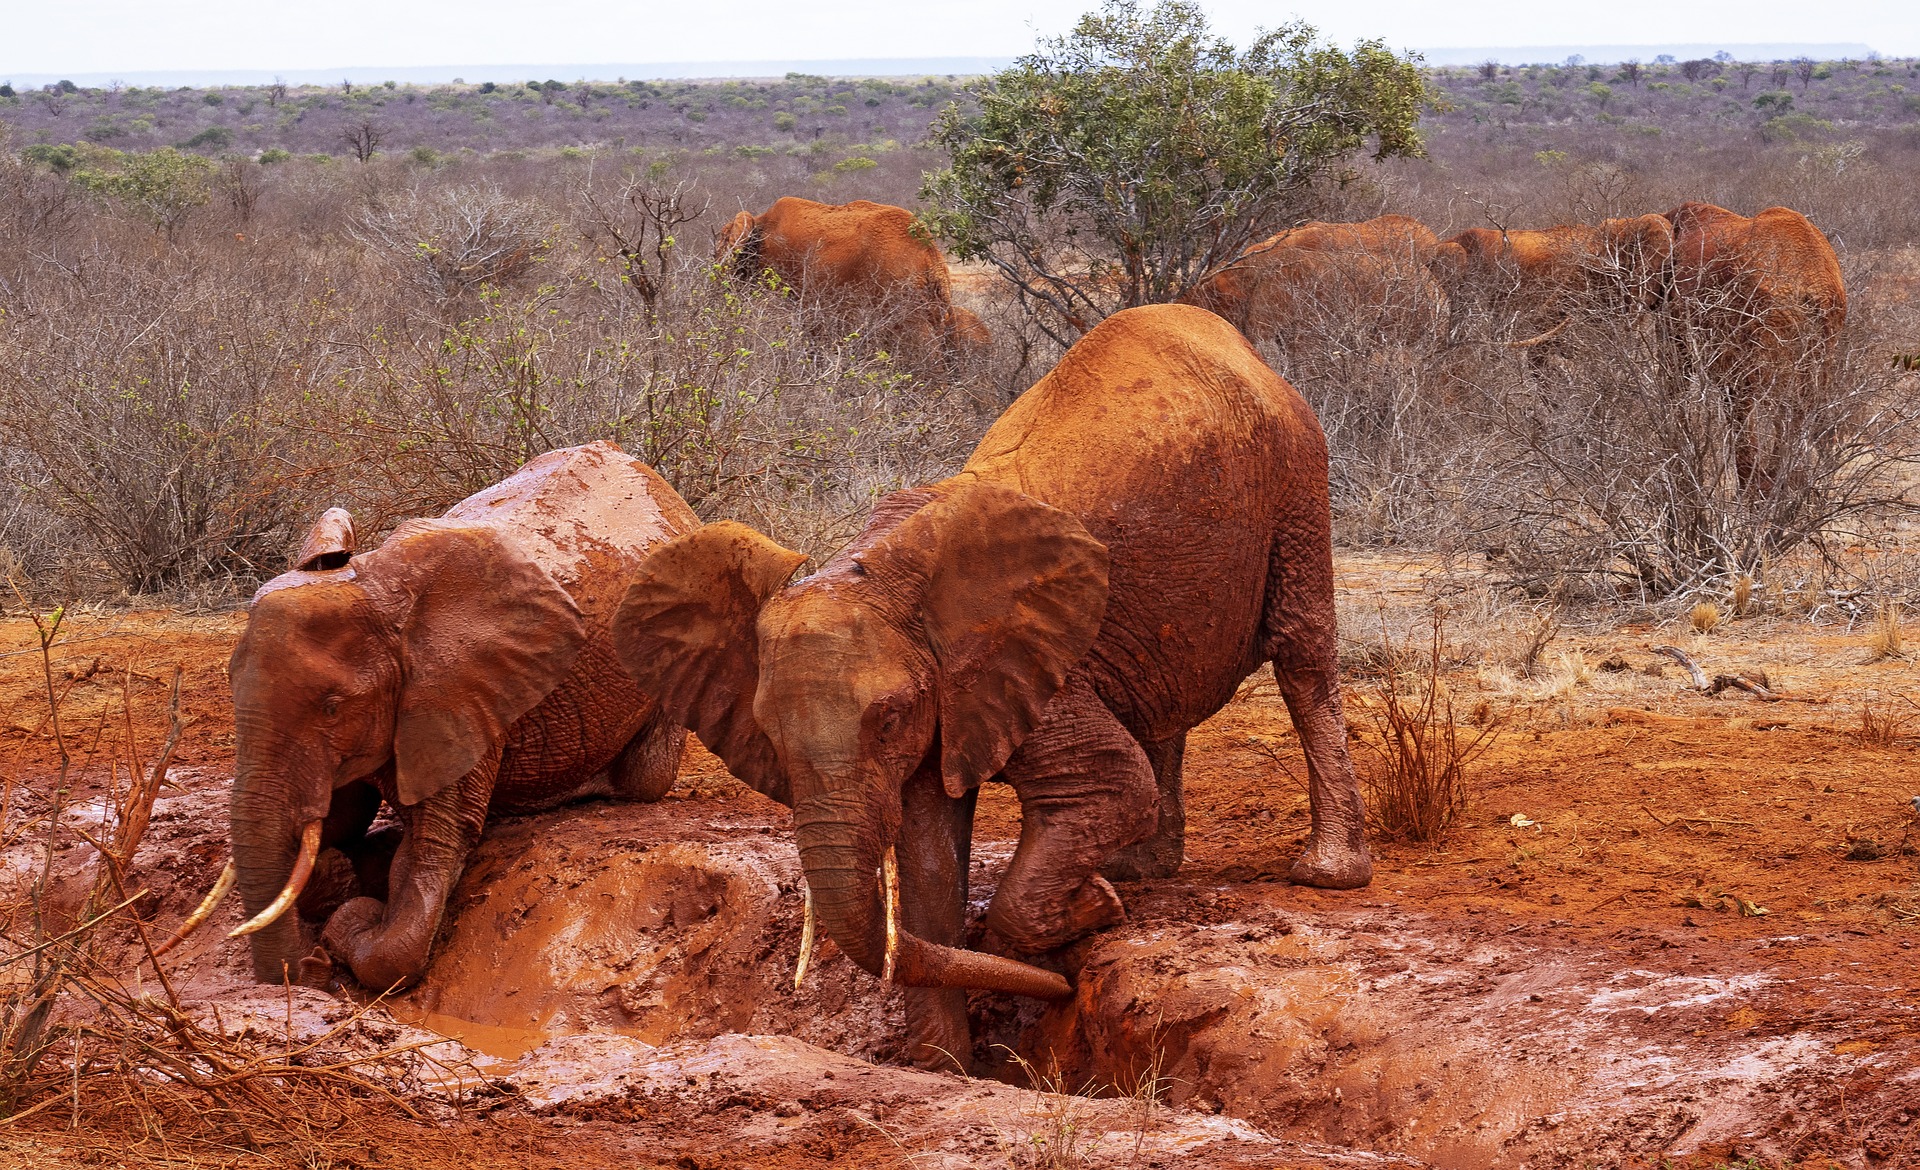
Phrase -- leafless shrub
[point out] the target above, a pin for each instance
(1421, 784)
(454, 241)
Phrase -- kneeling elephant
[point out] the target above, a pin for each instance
(1140, 531)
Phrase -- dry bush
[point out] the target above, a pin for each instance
(1885, 641)
(1420, 785)
(451, 242)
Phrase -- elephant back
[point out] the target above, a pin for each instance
(589, 515)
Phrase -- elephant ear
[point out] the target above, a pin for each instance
(685, 632)
(1015, 593)
(329, 543)
(484, 633)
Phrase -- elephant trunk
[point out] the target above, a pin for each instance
(267, 829)
(840, 850)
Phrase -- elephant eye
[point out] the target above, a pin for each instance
(331, 704)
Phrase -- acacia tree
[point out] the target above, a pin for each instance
(1120, 164)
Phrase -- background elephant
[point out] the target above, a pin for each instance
(462, 668)
(1528, 286)
(1141, 530)
(1757, 304)
(860, 260)
(1311, 282)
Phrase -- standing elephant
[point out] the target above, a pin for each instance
(1532, 284)
(1141, 530)
(1306, 283)
(860, 260)
(463, 668)
(1757, 304)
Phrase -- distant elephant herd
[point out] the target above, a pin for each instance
(1143, 528)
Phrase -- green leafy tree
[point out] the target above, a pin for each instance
(1120, 164)
(160, 186)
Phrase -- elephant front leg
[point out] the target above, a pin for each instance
(936, 841)
(646, 768)
(1086, 790)
(387, 945)
(1159, 855)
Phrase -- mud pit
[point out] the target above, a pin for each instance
(1582, 990)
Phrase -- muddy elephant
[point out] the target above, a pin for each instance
(463, 668)
(1526, 288)
(1310, 284)
(1756, 305)
(861, 262)
(1142, 529)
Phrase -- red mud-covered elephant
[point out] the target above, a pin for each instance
(1526, 287)
(463, 668)
(861, 261)
(1142, 529)
(1305, 283)
(1757, 305)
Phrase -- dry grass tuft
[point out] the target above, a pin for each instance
(1704, 618)
(1421, 785)
(1742, 595)
(1885, 641)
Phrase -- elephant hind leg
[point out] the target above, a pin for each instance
(1086, 790)
(1300, 641)
(646, 768)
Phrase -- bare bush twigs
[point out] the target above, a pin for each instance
(1421, 784)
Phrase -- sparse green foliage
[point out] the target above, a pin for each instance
(1156, 150)
(160, 186)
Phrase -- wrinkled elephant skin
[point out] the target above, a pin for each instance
(462, 668)
(1141, 530)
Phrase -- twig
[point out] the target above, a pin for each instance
(1692, 668)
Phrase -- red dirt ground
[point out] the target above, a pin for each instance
(1592, 984)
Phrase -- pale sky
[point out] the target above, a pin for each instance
(99, 36)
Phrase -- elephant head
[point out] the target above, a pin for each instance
(738, 245)
(417, 656)
(935, 640)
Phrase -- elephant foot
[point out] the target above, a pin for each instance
(1156, 857)
(316, 970)
(1330, 865)
(357, 934)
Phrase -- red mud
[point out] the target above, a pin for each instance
(1590, 988)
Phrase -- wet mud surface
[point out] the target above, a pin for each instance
(1699, 941)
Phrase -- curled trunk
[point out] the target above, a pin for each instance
(840, 850)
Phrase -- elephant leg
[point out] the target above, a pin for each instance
(1086, 789)
(1300, 641)
(1159, 855)
(646, 768)
(936, 841)
(386, 945)
(334, 879)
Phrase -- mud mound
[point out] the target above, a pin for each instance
(678, 921)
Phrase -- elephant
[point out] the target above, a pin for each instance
(463, 668)
(1535, 283)
(1143, 528)
(1757, 305)
(1293, 288)
(859, 260)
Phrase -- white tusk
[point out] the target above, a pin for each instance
(296, 881)
(205, 910)
(806, 943)
(890, 883)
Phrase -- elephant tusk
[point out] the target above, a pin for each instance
(890, 890)
(205, 910)
(806, 943)
(296, 881)
(1549, 335)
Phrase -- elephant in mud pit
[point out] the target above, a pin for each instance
(1529, 286)
(861, 262)
(1142, 529)
(1324, 284)
(1757, 305)
(463, 668)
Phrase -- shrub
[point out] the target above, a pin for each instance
(274, 154)
(1156, 147)
(217, 137)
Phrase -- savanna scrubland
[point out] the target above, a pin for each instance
(1655, 923)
